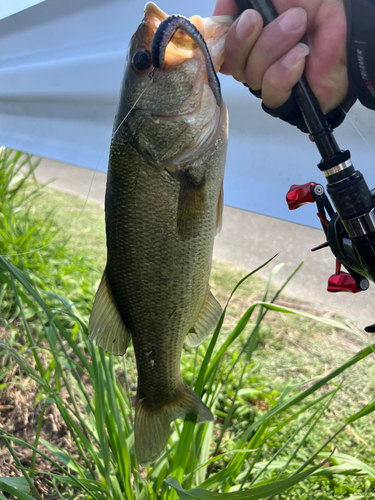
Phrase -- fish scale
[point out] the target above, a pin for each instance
(160, 270)
(163, 207)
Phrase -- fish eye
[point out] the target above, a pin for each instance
(141, 59)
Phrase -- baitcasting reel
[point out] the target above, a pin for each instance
(350, 231)
(337, 238)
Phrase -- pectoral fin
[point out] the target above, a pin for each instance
(219, 210)
(191, 206)
(206, 321)
(106, 326)
(152, 426)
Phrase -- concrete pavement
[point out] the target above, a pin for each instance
(248, 240)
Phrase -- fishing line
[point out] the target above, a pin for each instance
(357, 130)
(151, 77)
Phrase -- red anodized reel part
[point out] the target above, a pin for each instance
(299, 194)
(341, 281)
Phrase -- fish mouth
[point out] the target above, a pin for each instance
(163, 36)
(180, 91)
(181, 47)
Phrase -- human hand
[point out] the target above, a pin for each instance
(273, 59)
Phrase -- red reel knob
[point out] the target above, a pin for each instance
(299, 194)
(342, 282)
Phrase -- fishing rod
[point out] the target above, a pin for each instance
(350, 231)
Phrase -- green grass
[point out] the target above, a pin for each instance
(286, 387)
(37, 234)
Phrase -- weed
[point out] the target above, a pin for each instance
(286, 387)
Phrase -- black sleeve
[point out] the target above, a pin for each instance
(289, 112)
(360, 15)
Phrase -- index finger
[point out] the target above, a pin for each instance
(311, 7)
(225, 7)
(229, 7)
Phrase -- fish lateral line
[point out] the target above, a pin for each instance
(164, 34)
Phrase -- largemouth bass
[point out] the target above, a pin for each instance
(163, 207)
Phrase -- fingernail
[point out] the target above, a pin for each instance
(295, 55)
(246, 23)
(293, 20)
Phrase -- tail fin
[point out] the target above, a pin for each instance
(152, 427)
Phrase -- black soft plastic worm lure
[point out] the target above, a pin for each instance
(163, 36)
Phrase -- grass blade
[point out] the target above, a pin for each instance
(253, 494)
